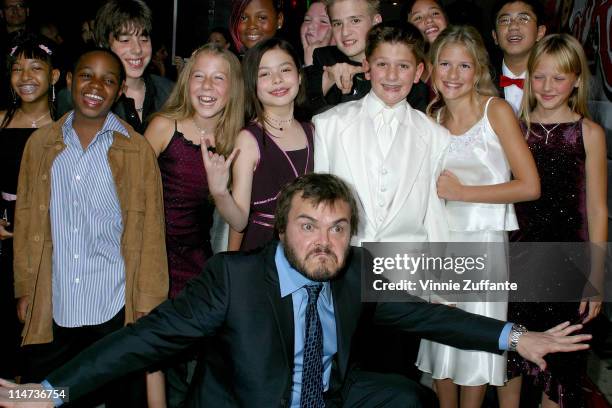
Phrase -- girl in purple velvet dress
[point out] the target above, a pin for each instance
(206, 106)
(570, 153)
(272, 150)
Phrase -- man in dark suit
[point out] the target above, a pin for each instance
(280, 322)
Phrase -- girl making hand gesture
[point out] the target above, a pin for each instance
(272, 150)
(207, 105)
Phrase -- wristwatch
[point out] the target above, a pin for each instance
(515, 334)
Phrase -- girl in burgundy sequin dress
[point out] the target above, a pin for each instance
(570, 153)
(205, 106)
(272, 150)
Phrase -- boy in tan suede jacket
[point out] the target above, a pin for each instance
(89, 246)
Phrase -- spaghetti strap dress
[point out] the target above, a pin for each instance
(276, 167)
(476, 158)
(188, 210)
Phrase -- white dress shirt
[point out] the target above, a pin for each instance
(513, 94)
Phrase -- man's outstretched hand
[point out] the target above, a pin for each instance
(533, 346)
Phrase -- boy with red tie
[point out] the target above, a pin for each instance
(518, 26)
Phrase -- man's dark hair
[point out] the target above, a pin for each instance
(223, 31)
(105, 51)
(536, 6)
(117, 17)
(318, 188)
(396, 33)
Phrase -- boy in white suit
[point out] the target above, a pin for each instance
(390, 153)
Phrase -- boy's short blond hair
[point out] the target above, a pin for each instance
(373, 5)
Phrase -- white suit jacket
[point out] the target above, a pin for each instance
(345, 145)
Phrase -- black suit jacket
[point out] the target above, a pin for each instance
(248, 360)
(316, 102)
(497, 59)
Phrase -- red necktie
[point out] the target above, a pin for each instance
(505, 81)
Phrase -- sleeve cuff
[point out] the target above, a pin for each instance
(504, 335)
(57, 401)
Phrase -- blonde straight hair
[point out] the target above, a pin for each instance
(468, 37)
(179, 107)
(570, 57)
(373, 6)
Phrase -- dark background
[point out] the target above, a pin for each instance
(196, 17)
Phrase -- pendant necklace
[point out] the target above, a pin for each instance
(548, 131)
(34, 122)
(278, 124)
(202, 131)
(141, 109)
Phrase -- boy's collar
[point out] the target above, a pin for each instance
(111, 124)
(506, 71)
(375, 105)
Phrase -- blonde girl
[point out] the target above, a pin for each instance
(570, 152)
(488, 167)
(206, 106)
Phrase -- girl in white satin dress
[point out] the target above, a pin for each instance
(488, 167)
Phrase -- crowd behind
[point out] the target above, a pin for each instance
(142, 168)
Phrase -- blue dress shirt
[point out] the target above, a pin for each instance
(292, 284)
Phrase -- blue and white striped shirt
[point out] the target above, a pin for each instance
(86, 228)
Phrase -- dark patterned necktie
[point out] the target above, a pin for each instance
(312, 374)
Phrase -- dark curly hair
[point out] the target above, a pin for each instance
(318, 188)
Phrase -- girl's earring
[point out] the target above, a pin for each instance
(52, 92)
(14, 97)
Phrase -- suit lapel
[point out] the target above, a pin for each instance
(359, 144)
(342, 310)
(282, 308)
